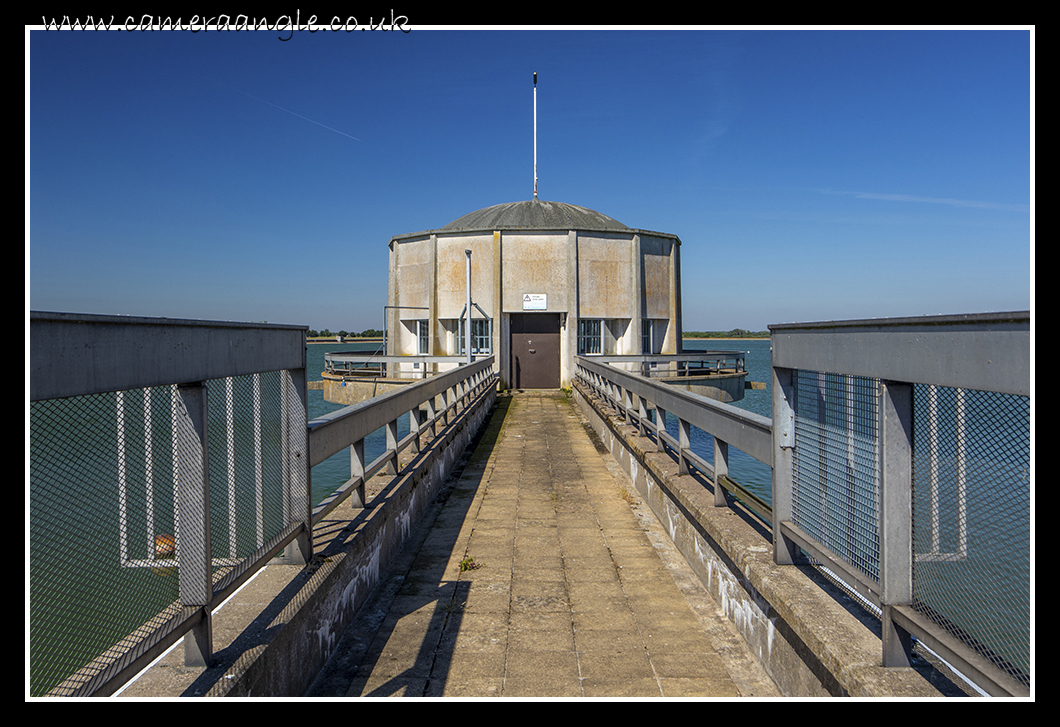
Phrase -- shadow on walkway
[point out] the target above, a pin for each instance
(532, 576)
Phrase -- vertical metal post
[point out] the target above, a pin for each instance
(391, 447)
(259, 477)
(230, 459)
(431, 417)
(193, 518)
(297, 473)
(684, 436)
(896, 515)
(357, 497)
(535, 134)
(660, 428)
(467, 328)
(414, 429)
(721, 469)
(785, 551)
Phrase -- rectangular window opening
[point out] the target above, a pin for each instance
(590, 337)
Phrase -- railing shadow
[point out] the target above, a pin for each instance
(419, 593)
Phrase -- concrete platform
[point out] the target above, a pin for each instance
(542, 574)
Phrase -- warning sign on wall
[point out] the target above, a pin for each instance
(535, 301)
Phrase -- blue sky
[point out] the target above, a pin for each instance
(811, 175)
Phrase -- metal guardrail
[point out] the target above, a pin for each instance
(149, 503)
(169, 461)
(354, 365)
(665, 365)
(357, 365)
(429, 404)
(647, 402)
(915, 430)
(901, 462)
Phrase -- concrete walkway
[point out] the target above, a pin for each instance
(541, 576)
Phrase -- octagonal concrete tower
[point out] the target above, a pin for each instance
(549, 280)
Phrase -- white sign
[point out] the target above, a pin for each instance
(535, 301)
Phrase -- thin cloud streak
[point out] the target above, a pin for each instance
(292, 113)
(934, 200)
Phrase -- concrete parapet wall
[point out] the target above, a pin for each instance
(807, 640)
(354, 391)
(305, 633)
(720, 387)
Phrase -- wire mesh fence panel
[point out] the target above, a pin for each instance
(971, 520)
(115, 500)
(835, 491)
(83, 597)
(246, 464)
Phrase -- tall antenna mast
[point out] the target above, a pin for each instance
(535, 134)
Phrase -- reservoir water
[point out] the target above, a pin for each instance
(997, 522)
(79, 588)
(746, 470)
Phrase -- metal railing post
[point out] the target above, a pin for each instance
(357, 497)
(660, 428)
(297, 495)
(190, 417)
(431, 417)
(415, 420)
(721, 469)
(684, 437)
(785, 551)
(896, 515)
(391, 446)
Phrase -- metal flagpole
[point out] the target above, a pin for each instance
(467, 325)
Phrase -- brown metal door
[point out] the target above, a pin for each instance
(535, 350)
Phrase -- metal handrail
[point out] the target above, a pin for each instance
(634, 396)
(988, 352)
(985, 352)
(74, 355)
(747, 431)
(380, 363)
(348, 427)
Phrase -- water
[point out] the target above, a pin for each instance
(335, 471)
(748, 471)
(66, 532)
(102, 494)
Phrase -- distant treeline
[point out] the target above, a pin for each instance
(734, 333)
(370, 333)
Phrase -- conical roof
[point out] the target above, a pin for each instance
(534, 214)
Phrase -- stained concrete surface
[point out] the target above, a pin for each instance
(541, 574)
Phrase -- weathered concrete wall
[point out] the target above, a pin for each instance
(416, 261)
(451, 275)
(355, 391)
(303, 636)
(655, 263)
(723, 387)
(534, 262)
(604, 275)
(807, 641)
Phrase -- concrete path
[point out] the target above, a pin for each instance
(542, 576)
